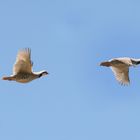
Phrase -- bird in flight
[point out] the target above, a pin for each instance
(22, 69)
(120, 68)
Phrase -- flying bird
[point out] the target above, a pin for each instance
(22, 69)
(120, 68)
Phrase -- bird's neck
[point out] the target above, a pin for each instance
(37, 74)
(136, 61)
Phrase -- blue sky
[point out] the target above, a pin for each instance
(78, 100)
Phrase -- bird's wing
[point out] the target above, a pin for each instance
(121, 73)
(123, 60)
(23, 62)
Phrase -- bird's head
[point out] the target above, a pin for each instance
(43, 73)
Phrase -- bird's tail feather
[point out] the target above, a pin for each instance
(7, 78)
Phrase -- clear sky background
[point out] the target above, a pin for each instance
(78, 100)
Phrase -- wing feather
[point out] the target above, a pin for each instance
(121, 73)
(123, 60)
(23, 62)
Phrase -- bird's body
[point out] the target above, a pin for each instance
(22, 77)
(120, 68)
(22, 70)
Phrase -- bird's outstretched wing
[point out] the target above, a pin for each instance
(121, 73)
(23, 62)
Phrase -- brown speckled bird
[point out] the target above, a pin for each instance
(22, 70)
(120, 68)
